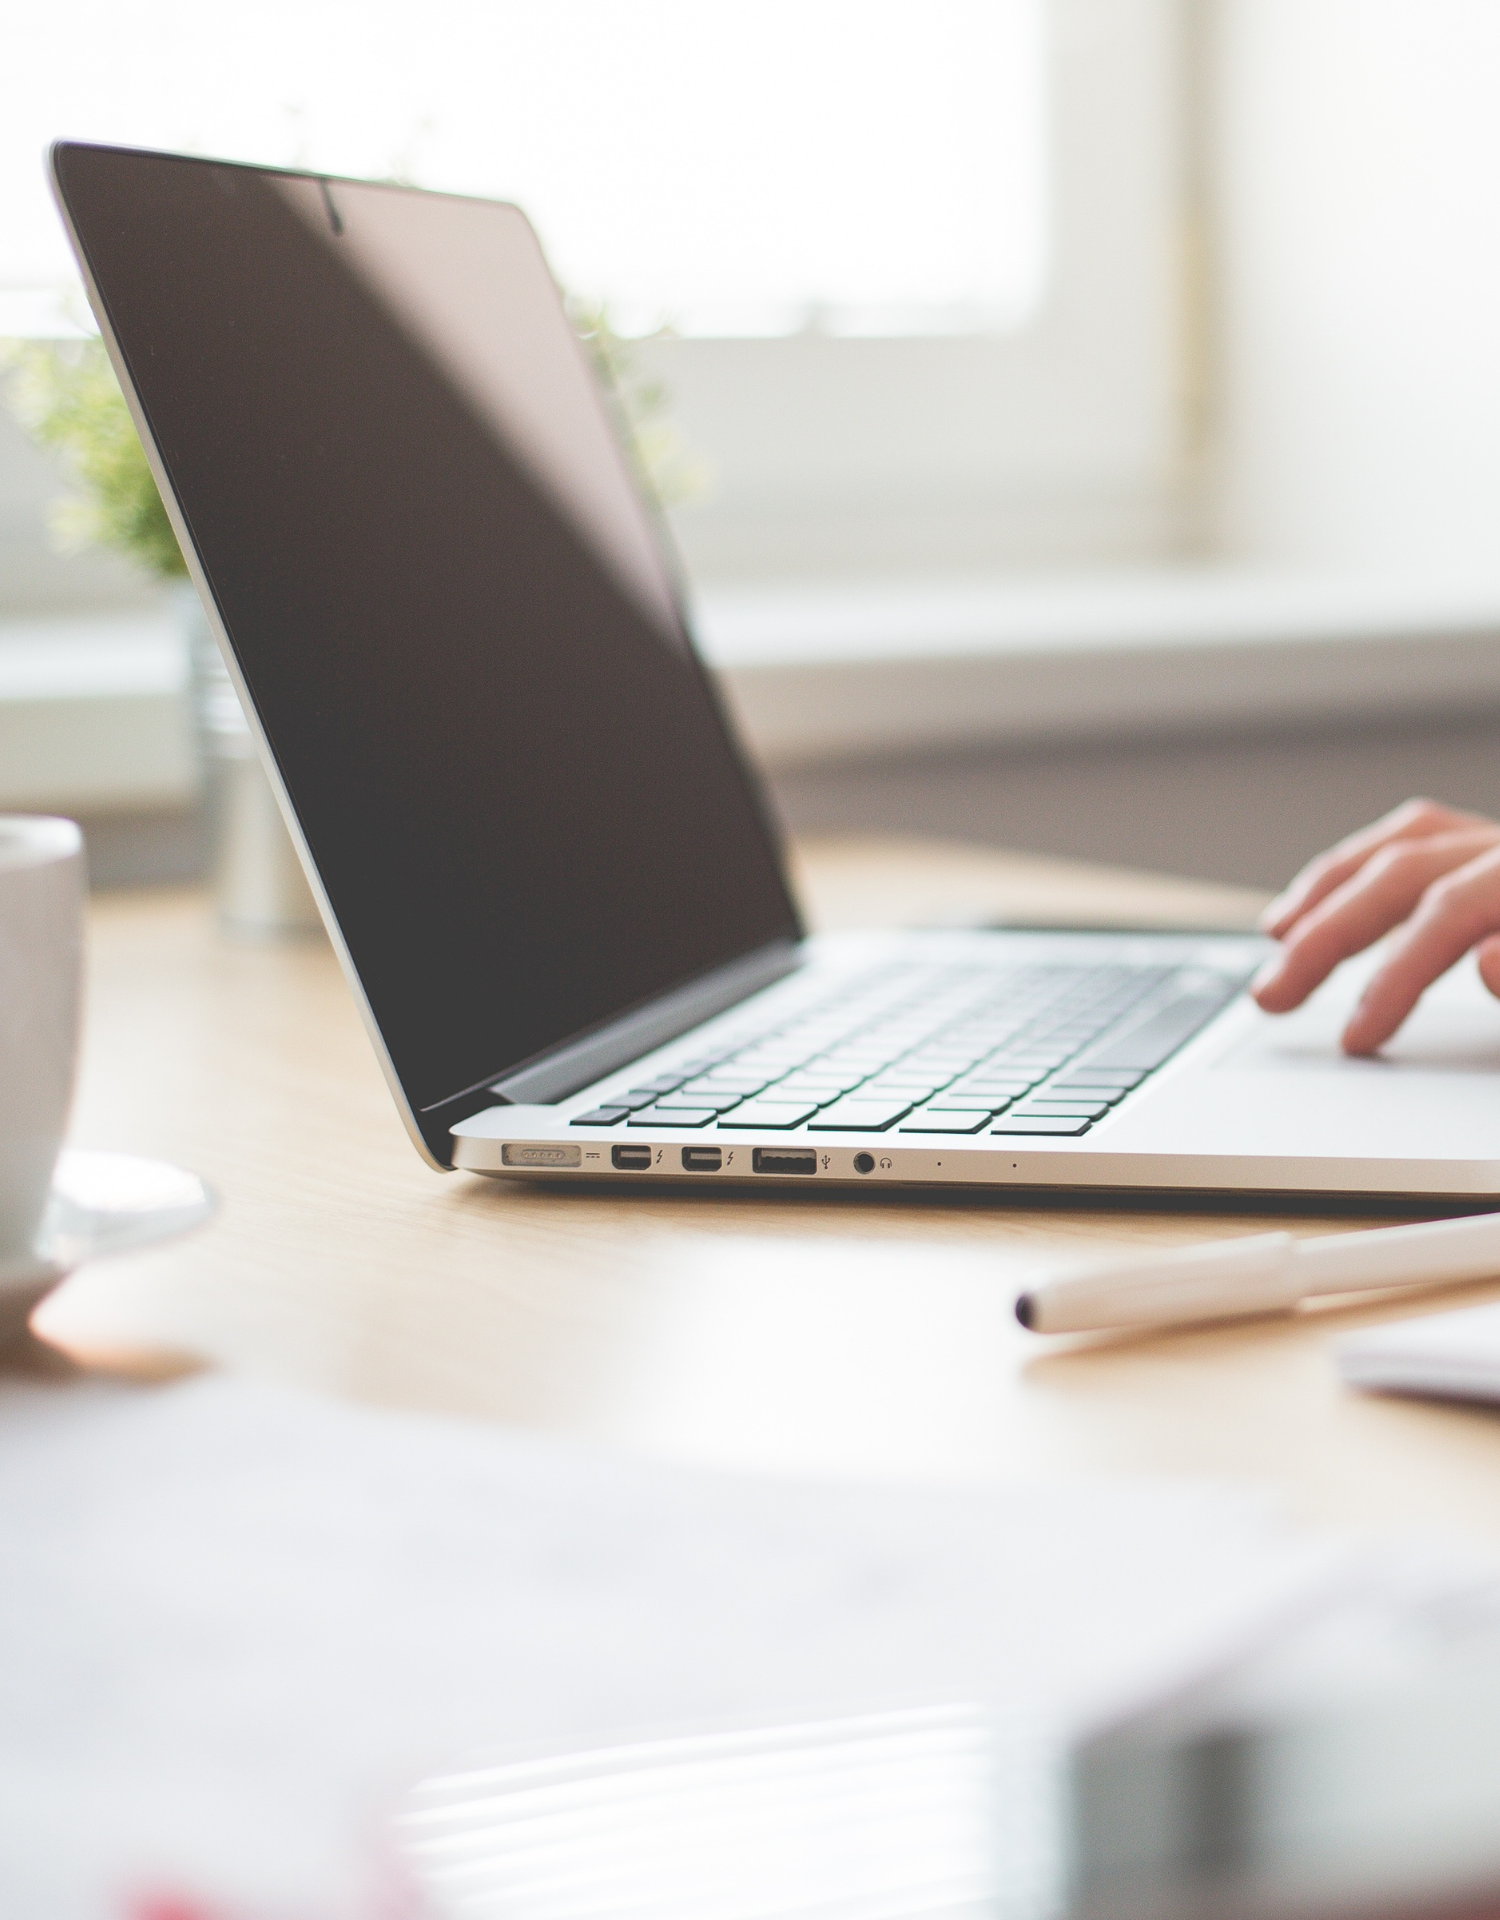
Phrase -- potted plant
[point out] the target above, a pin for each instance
(65, 393)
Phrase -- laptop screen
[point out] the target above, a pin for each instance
(448, 602)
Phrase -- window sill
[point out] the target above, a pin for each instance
(824, 673)
(94, 711)
(94, 714)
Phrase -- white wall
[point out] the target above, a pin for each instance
(1358, 313)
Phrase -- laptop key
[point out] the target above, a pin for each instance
(719, 1102)
(769, 1113)
(1084, 1090)
(1003, 1089)
(600, 1117)
(861, 1116)
(1060, 1125)
(1061, 1109)
(1124, 1078)
(673, 1117)
(642, 1096)
(724, 1081)
(932, 1120)
(1161, 1033)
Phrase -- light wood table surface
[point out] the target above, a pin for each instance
(796, 1332)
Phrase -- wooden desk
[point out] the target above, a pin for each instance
(790, 1332)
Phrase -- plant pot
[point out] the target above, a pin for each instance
(259, 888)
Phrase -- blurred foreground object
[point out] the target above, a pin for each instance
(1386, 1803)
(865, 1817)
(292, 1609)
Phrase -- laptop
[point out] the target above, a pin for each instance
(546, 864)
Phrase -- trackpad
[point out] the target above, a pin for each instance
(1454, 1029)
(1282, 1086)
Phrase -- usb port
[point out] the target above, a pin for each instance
(630, 1159)
(785, 1159)
(703, 1159)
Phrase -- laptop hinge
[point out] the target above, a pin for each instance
(579, 1062)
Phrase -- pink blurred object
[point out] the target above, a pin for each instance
(395, 1896)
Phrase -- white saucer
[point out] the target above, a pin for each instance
(101, 1203)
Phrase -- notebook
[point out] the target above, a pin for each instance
(1447, 1356)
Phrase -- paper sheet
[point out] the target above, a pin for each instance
(1451, 1355)
(238, 1622)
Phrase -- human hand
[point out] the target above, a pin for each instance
(1430, 867)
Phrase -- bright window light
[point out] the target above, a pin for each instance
(853, 166)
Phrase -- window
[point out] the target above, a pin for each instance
(865, 166)
(918, 256)
(1060, 442)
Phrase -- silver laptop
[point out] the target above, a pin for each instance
(541, 855)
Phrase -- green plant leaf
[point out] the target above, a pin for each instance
(667, 470)
(65, 394)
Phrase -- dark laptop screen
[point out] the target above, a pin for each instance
(446, 597)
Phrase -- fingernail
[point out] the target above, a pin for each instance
(1269, 973)
(1351, 1039)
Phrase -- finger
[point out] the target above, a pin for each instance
(1456, 913)
(1412, 820)
(1378, 897)
(1488, 956)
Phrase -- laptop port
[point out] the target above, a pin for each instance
(630, 1159)
(785, 1159)
(513, 1155)
(702, 1159)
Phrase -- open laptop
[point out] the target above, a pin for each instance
(543, 859)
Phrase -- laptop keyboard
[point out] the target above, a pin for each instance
(1036, 1048)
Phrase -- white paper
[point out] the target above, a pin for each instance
(1451, 1355)
(237, 1623)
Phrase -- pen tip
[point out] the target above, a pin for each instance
(1025, 1311)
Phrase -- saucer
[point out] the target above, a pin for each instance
(101, 1203)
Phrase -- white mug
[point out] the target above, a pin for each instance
(41, 955)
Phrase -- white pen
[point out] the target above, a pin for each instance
(1264, 1273)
